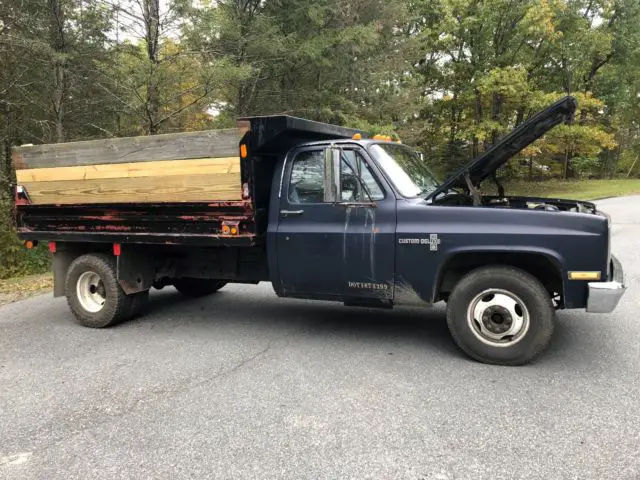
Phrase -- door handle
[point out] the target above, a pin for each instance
(291, 213)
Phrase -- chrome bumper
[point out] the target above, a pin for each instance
(604, 296)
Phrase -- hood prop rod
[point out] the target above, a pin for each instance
(475, 194)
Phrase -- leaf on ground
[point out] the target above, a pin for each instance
(18, 288)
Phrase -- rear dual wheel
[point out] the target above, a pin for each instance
(94, 294)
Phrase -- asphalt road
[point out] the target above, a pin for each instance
(243, 385)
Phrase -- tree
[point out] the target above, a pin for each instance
(314, 59)
(155, 80)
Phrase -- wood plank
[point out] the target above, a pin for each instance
(185, 188)
(202, 166)
(171, 146)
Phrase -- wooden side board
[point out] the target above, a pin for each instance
(172, 146)
(190, 180)
(130, 170)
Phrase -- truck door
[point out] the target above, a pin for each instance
(340, 250)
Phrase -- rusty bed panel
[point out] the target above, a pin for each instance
(144, 223)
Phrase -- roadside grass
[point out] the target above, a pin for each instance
(575, 190)
(14, 289)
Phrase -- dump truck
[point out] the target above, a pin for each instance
(323, 213)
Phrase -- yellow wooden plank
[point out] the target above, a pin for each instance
(200, 166)
(173, 188)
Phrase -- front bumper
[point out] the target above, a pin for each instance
(604, 296)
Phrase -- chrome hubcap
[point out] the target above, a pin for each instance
(498, 318)
(91, 292)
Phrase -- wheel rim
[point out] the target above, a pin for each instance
(498, 318)
(91, 292)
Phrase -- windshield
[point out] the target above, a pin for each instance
(405, 169)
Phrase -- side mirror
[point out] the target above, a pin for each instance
(332, 186)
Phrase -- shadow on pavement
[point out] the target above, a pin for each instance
(301, 319)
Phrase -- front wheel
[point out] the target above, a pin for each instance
(500, 315)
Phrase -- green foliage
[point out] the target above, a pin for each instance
(629, 163)
(15, 260)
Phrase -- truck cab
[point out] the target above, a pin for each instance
(326, 214)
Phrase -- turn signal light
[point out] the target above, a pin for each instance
(243, 151)
(29, 244)
(584, 275)
(226, 229)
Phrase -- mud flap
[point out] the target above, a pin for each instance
(136, 269)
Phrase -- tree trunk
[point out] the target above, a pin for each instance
(477, 113)
(451, 148)
(519, 116)
(7, 172)
(151, 14)
(496, 110)
(58, 46)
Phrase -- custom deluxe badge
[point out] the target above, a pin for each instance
(433, 241)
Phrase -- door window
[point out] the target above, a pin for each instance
(307, 178)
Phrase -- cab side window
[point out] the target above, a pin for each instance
(307, 178)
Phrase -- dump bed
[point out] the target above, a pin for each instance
(192, 187)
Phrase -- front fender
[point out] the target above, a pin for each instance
(438, 233)
(500, 254)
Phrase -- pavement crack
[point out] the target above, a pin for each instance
(147, 398)
(190, 384)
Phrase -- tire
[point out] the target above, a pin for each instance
(91, 280)
(197, 287)
(500, 315)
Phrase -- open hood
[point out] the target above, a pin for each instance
(526, 133)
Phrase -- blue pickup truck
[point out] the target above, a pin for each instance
(327, 214)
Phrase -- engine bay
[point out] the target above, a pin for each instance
(516, 202)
